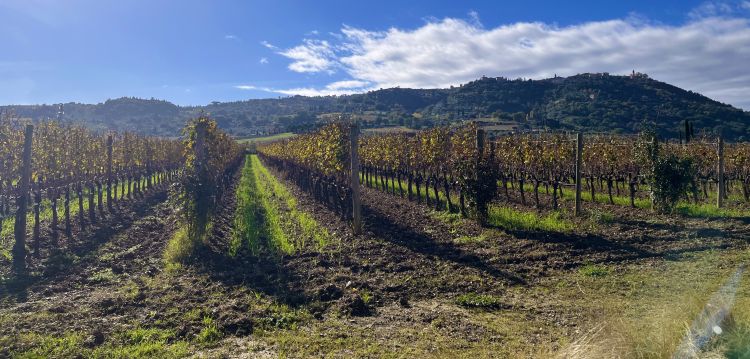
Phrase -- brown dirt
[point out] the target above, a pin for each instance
(405, 258)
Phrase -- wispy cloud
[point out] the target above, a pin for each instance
(255, 88)
(231, 37)
(717, 8)
(268, 45)
(348, 84)
(311, 56)
(263, 60)
(708, 54)
(345, 87)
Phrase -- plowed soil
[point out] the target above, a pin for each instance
(405, 270)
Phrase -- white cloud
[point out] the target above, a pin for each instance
(309, 91)
(707, 54)
(231, 37)
(347, 84)
(711, 9)
(345, 87)
(745, 5)
(268, 45)
(311, 56)
(263, 60)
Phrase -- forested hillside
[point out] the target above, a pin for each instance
(591, 102)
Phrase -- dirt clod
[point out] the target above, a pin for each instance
(329, 293)
(354, 305)
(95, 339)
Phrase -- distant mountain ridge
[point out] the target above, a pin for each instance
(589, 102)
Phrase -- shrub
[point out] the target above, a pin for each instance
(669, 177)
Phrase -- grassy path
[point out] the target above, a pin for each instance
(268, 215)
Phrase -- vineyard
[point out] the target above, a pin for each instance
(70, 169)
(462, 170)
(445, 242)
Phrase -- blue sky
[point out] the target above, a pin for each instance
(195, 52)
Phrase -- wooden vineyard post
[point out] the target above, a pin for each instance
(720, 172)
(201, 196)
(36, 189)
(356, 205)
(481, 207)
(579, 162)
(19, 247)
(109, 173)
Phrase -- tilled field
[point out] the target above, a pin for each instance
(393, 290)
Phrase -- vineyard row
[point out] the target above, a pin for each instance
(469, 168)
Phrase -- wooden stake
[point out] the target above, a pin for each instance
(481, 207)
(356, 204)
(19, 247)
(720, 171)
(109, 172)
(579, 163)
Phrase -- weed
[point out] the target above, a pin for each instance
(130, 290)
(103, 276)
(282, 317)
(193, 315)
(210, 333)
(366, 296)
(59, 262)
(473, 300)
(179, 248)
(601, 217)
(470, 239)
(592, 270)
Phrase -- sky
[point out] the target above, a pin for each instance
(194, 52)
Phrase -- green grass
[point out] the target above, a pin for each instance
(601, 217)
(275, 137)
(644, 310)
(273, 223)
(179, 248)
(709, 211)
(687, 209)
(473, 300)
(309, 227)
(512, 219)
(602, 197)
(470, 239)
(248, 219)
(281, 316)
(210, 333)
(593, 270)
(392, 184)
(267, 210)
(103, 276)
(135, 343)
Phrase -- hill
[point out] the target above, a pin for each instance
(590, 102)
